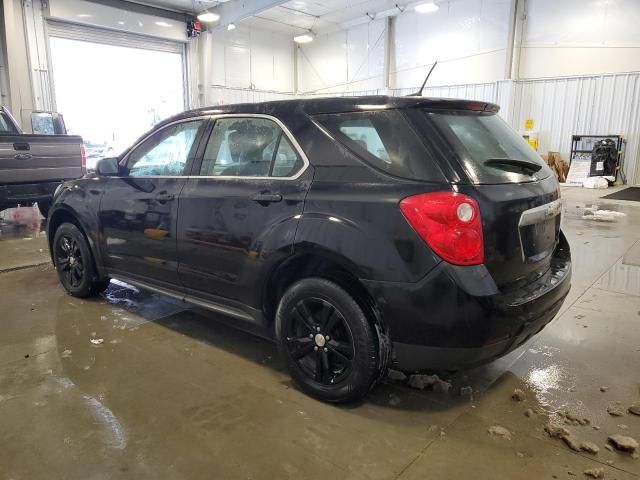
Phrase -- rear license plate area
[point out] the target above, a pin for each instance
(539, 240)
(539, 231)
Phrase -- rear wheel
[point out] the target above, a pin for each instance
(74, 262)
(326, 341)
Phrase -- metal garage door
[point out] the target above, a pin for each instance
(113, 86)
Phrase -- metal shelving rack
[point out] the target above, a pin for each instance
(582, 145)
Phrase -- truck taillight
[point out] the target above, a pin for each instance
(449, 223)
(83, 153)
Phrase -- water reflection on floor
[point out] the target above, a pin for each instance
(624, 276)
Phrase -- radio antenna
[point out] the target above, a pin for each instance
(419, 92)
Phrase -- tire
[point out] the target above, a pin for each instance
(75, 263)
(326, 341)
(44, 208)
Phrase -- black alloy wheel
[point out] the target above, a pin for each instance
(69, 261)
(74, 262)
(327, 342)
(319, 340)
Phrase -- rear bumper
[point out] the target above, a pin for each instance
(456, 317)
(13, 195)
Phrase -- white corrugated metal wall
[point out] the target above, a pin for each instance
(560, 107)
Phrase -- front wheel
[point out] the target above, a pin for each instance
(326, 341)
(74, 263)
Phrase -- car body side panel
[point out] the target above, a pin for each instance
(362, 224)
(81, 198)
(227, 241)
(138, 223)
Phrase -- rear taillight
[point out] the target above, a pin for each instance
(83, 153)
(450, 224)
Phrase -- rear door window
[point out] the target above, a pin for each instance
(490, 151)
(249, 147)
(385, 140)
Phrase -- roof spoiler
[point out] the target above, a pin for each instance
(449, 104)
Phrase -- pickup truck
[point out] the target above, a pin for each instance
(32, 166)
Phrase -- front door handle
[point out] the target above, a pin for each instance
(165, 197)
(21, 146)
(266, 198)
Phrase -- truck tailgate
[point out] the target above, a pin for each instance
(39, 158)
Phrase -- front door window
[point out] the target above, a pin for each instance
(165, 154)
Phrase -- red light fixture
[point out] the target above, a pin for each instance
(449, 223)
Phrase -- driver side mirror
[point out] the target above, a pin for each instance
(108, 167)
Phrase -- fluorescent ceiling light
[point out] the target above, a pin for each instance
(231, 26)
(164, 24)
(429, 7)
(304, 38)
(208, 17)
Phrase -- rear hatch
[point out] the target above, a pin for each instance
(467, 145)
(517, 193)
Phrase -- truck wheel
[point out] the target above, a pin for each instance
(74, 262)
(44, 208)
(326, 341)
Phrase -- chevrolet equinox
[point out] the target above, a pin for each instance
(360, 233)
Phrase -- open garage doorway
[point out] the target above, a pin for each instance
(111, 94)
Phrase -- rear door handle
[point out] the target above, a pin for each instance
(266, 198)
(21, 146)
(165, 197)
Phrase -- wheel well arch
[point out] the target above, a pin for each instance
(56, 219)
(315, 265)
(65, 215)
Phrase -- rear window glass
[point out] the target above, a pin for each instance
(6, 126)
(490, 150)
(385, 140)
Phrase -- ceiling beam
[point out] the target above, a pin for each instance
(236, 10)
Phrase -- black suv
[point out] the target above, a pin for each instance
(360, 233)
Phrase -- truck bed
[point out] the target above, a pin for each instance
(30, 159)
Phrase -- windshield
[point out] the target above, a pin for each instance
(490, 150)
(6, 125)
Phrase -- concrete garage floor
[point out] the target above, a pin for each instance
(172, 393)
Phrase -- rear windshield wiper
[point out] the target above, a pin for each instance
(513, 163)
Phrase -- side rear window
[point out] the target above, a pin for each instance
(385, 140)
